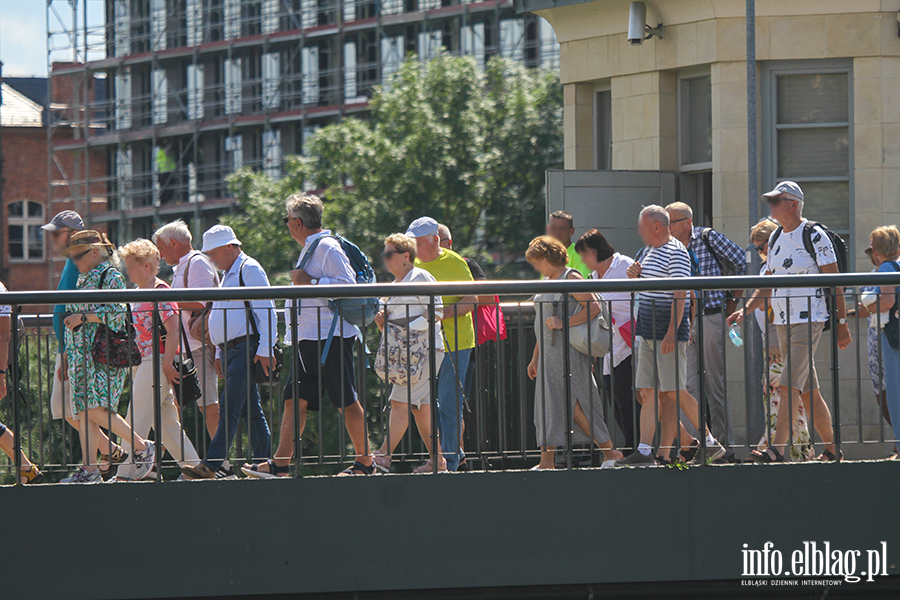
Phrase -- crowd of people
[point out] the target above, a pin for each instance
(651, 373)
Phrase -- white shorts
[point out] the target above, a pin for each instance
(420, 391)
(60, 395)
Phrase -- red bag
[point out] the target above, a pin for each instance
(488, 317)
(627, 334)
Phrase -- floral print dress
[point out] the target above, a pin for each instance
(93, 385)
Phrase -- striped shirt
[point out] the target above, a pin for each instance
(655, 308)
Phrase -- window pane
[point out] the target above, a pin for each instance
(35, 242)
(696, 145)
(35, 210)
(603, 121)
(828, 202)
(813, 152)
(16, 246)
(15, 209)
(822, 98)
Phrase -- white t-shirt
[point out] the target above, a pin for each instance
(788, 256)
(619, 307)
(418, 305)
(201, 274)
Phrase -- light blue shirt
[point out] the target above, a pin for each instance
(262, 310)
(67, 281)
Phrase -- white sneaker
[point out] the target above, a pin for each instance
(83, 476)
(144, 462)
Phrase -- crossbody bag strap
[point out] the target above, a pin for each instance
(184, 339)
(247, 306)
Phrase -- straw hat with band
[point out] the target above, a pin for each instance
(85, 240)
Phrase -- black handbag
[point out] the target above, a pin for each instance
(277, 353)
(115, 349)
(892, 328)
(188, 390)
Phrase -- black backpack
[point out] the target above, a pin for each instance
(726, 267)
(840, 253)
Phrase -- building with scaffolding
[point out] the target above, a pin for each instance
(174, 95)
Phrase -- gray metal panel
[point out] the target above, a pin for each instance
(609, 200)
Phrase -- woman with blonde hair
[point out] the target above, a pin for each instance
(97, 388)
(407, 316)
(141, 258)
(549, 258)
(802, 448)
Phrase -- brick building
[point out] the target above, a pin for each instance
(26, 260)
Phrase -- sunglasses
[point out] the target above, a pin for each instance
(287, 219)
(388, 253)
(80, 256)
(679, 220)
(761, 248)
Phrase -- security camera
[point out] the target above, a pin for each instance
(638, 30)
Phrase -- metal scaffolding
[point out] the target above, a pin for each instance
(155, 102)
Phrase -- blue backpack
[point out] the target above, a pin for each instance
(356, 311)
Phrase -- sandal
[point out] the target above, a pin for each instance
(428, 467)
(382, 462)
(663, 461)
(827, 456)
(32, 475)
(357, 468)
(764, 456)
(275, 471)
(111, 460)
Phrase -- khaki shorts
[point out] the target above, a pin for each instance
(61, 395)
(665, 373)
(206, 375)
(800, 367)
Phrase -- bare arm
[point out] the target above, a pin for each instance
(461, 307)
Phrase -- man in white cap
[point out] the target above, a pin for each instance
(243, 333)
(59, 230)
(459, 333)
(798, 248)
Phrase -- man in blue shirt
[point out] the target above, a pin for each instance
(59, 229)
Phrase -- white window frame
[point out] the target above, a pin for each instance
(232, 18)
(26, 222)
(272, 153)
(195, 83)
(233, 86)
(158, 16)
(769, 143)
(159, 94)
(194, 22)
(271, 81)
(392, 55)
(123, 99)
(122, 27)
(309, 56)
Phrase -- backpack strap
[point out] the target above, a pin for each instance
(247, 307)
(704, 235)
(312, 248)
(808, 229)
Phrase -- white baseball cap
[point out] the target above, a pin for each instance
(218, 236)
(785, 187)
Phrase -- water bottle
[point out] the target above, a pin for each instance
(735, 334)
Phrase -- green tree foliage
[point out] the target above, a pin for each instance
(466, 146)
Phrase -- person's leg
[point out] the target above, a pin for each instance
(668, 423)
(140, 415)
(231, 402)
(260, 435)
(422, 416)
(285, 449)
(397, 426)
(648, 415)
(103, 417)
(8, 444)
(714, 373)
(173, 436)
(606, 445)
(627, 410)
(450, 403)
(206, 370)
(354, 420)
(891, 361)
(692, 356)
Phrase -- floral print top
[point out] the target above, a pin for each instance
(142, 316)
(113, 315)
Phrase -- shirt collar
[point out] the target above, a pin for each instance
(186, 257)
(695, 232)
(315, 236)
(236, 266)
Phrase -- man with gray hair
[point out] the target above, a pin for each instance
(663, 329)
(193, 270)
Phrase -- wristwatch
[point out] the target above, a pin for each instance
(314, 281)
(842, 321)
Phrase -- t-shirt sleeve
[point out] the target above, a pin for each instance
(825, 254)
(5, 309)
(679, 264)
(476, 270)
(201, 274)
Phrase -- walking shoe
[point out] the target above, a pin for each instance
(201, 471)
(636, 459)
(223, 473)
(83, 476)
(428, 467)
(144, 462)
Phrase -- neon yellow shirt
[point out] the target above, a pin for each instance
(450, 266)
(576, 263)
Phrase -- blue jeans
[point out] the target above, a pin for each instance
(890, 359)
(235, 399)
(450, 403)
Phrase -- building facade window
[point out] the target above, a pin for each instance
(603, 129)
(695, 144)
(26, 238)
(807, 136)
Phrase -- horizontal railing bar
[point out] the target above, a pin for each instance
(473, 288)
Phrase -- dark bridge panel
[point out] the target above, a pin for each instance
(213, 539)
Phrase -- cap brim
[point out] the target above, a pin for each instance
(50, 227)
(234, 241)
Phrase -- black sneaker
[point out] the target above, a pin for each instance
(636, 459)
(223, 473)
(689, 454)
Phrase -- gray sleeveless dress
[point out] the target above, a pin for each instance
(550, 391)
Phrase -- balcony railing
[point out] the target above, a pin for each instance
(499, 403)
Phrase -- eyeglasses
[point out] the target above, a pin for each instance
(80, 256)
(679, 220)
(761, 248)
(444, 240)
(388, 253)
(288, 219)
